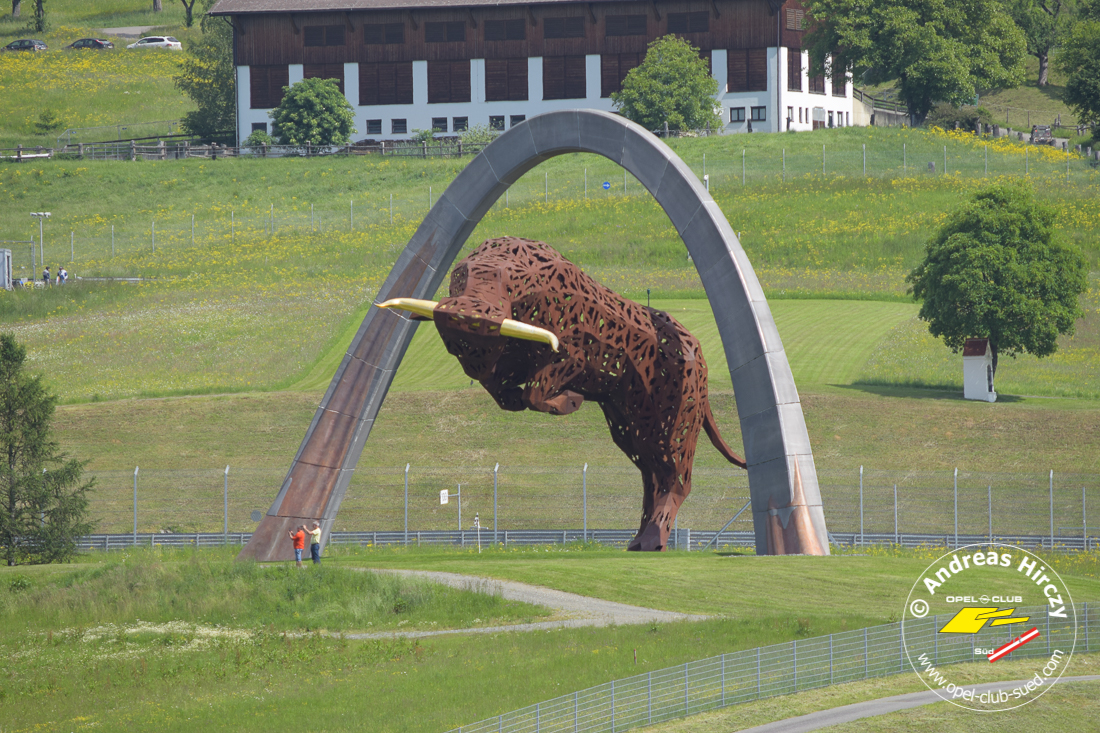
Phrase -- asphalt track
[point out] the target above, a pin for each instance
(882, 706)
(570, 610)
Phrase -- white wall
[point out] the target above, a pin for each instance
(419, 114)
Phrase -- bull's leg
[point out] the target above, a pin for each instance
(546, 390)
(661, 503)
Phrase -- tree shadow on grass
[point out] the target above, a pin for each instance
(920, 391)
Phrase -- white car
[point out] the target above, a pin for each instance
(158, 42)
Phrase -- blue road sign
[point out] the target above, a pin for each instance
(606, 185)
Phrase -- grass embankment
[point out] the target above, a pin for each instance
(116, 88)
(173, 641)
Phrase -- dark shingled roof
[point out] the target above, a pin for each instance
(245, 7)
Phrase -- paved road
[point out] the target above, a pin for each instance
(571, 610)
(130, 31)
(882, 706)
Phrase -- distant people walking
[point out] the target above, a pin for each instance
(63, 276)
(46, 277)
(315, 543)
(299, 537)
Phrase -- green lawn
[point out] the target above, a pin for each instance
(175, 640)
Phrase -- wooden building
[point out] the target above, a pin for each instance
(451, 64)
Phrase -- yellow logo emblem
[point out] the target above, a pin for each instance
(973, 619)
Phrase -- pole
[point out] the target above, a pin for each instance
(945, 160)
(904, 160)
(956, 507)
(225, 510)
(351, 213)
(459, 495)
(232, 225)
(406, 505)
(896, 515)
(864, 160)
(823, 161)
(584, 495)
(391, 208)
(192, 229)
(986, 159)
(742, 166)
(546, 188)
(135, 503)
(861, 506)
(41, 244)
(585, 184)
(311, 217)
(1084, 523)
(784, 165)
(112, 240)
(72, 246)
(272, 230)
(1026, 152)
(704, 164)
(496, 470)
(1052, 508)
(153, 232)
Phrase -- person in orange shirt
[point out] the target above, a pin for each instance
(299, 537)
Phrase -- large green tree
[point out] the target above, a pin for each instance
(208, 77)
(672, 85)
(313, 111)
(43, 497)
(935, 50)
(1079, 59)
(1044, 23)
(996, 270)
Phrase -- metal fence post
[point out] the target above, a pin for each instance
(538, 715)
(687, 704)
(757, 673)
(72, 246)
(1086, 626)
(989, 502)
(742, 166)
(135, 503)
(584, 498)
(407, 505)
(1084, 523)
(864, 160)
(192, 229)
(225, 508)
(112, 240)
(576, 712)
(153, 233)
(794, 662)
(956, 507)
(496, 469)
(865, 650)
(724, 677)
(861, 506)
(612, 706)
(649, 696)
(1051, 507)
(896, 542)
(830, 659)
(784, 165)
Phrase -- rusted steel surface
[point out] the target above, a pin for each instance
(644, 369)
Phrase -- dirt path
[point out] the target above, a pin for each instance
(570, 610)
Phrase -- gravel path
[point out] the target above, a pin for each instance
(571, 610)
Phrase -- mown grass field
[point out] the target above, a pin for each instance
(174, 640)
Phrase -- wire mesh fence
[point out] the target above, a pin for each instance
(861, 506)
(780, 669)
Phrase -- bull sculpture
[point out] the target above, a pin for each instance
(539, 334)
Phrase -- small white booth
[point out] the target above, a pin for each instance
(978, 371)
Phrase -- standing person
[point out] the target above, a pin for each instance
(315, 543)
(299, 537)
(63, 276)
(46, 277)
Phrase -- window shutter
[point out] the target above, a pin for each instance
(553, 77)
(403, 83)
(496, 80)
(576, 73)
(758, 69)
(257, 88)
(517, 80)
(794, 70)
(314, 35)
(737, 70)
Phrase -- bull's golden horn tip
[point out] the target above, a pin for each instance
(413, 305)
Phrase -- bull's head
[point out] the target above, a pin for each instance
(471, 331)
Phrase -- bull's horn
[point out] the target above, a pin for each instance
(424, 308)
(518, 330)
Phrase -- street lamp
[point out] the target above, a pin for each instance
(40, 215)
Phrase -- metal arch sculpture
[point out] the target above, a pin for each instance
(786, 502)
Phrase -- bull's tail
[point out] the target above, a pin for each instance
(716, 439)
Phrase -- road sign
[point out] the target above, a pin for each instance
(443, 496)
(606, 185)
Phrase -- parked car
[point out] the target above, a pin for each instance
(98, 43)
(158, 42)
(1041, 135)
(26, 44)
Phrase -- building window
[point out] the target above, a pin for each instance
(325, 71)
(796, 19)
(794, 70)
(800, 115)
(266, 85)
(374, 127)
(506, 30)
(460, 124)
(385, 84)
(496, 122)
(259, 127)
(449, 32)
(563, 28)
(737, 114)
(564, 77)
(399, 127)
(689, 22)
(506, 80)
(839, 78)
(747, 70)
(516, 119)
(324, 35)
(439, 124)
(817, 84)
(759, 114)
(625, 25)
(613, 70)
(448, 81)
(377, 34)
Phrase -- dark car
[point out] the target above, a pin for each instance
(25, 44)
(98, 43)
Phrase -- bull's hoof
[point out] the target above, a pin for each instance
(648, 540)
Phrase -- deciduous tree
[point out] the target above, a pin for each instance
(1079, 59)
(40, 23)
(16, 8)
(188, 8)
(207, 76)
(1044, 23)
(672, 85)
(996, 270)
(43, 496)
(939, 51)
(313, 111)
